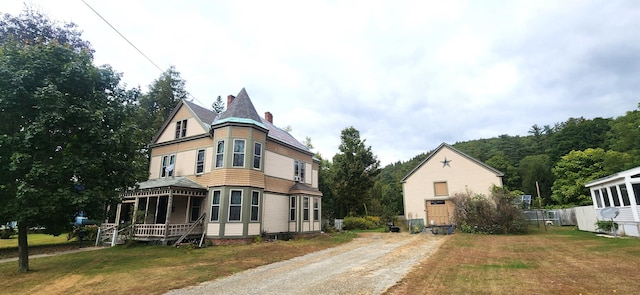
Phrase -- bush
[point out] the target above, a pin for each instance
(606, 226)
(7, 232)
(495, 215)
(351, 223)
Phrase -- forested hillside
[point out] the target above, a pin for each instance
(561, 158)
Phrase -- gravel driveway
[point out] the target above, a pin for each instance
(369, 264)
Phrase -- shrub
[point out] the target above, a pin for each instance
(351, 223)
(606, 226)
(7, 232)
(495, 215)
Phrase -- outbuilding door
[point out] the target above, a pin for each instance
(437, 212)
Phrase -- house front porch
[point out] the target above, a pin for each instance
(161, 210)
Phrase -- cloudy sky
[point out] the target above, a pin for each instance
(408, 75)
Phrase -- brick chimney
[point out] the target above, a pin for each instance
(269, 117)
(230, 99)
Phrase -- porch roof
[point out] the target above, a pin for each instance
(301, 188)
(178, 186)
(170, 182)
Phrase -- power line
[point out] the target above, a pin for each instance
(136, 48)
(123, 37)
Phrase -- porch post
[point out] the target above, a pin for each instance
(632, 198)
(166, 221)
(188, 212)
(118, 211)
(135, 211)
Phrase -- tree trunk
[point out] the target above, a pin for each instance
(23, 251)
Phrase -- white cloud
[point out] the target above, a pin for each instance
(408, 75)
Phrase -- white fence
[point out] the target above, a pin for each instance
(586, 218)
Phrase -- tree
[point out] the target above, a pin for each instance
(68, 138)
(355, 168)
(577, 168)
(218, 105)
(164, 95)
(625, 133)
(503, 164)
(537, 168)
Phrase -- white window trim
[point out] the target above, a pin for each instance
(217, 205)
(215, 164)
(235, 205)
(254, 157)
(244, 153)
(251, 207)
(204, 160)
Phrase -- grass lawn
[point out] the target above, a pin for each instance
(35, 240)
(560, 261)
(150, 269)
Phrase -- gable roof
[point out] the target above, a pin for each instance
(206, 116)
(443, 145)
(284, 137)
(202, 115)
(633, 173)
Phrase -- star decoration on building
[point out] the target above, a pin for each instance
(445, 162)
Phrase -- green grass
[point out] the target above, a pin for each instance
(560, 260)
(36, 240)
(146, 269)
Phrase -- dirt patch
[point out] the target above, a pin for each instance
(368, 265)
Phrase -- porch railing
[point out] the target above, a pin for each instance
(153, 231)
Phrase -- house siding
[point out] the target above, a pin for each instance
(276, 213)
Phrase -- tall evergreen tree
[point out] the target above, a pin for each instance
(355, 168)
(218, 105)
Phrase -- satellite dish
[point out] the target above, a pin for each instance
(610, 212)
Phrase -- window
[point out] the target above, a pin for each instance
(305, 209)
(181, 128)
(440, 188)
(316, 209)
(605, 197)
(235, 206)
(292, 208)
(614, 196)
(598, 198)
(195, 209)
(255, 205)
(220, 154)
(298, 170)
(257, 155)
(437, 202)
(168, 165)
(636, 192)
(200, 162)
(215, 206)
(238, 153)
(625, 195)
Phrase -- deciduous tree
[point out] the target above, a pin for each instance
(68, 138)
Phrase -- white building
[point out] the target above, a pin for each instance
(621, 191)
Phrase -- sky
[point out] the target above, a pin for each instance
(408, 75)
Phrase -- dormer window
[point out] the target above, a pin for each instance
(181, 129)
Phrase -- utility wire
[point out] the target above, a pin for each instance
(123, 37)
(136, 48)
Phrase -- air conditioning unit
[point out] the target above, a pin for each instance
(296, 178)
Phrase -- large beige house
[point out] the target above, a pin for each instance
(428, 188)
(227, 176)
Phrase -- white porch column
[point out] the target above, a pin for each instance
(135, 210)
(118, 211)
(632, 198)
(168, 216)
